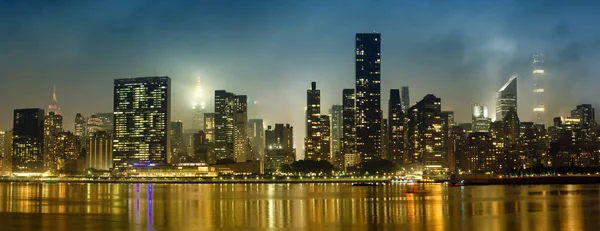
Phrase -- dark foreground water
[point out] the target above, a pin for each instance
(40, 206)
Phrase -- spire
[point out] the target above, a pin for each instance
(53, 107)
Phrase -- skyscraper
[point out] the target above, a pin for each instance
(231, 116)
(28, 140)
(80, 122)
(256, 134)
(53, 127)
(539, 88)
(337, 133)
(313, 123)
(506, 98)
(368, 95)
(324, 150)
(142, 113)
(198, 107)
(405, 99)
(348, 123)
(99, 151)
(587, 115)
(425, 137)
(177, 146)
(480, 120)
(396, 126)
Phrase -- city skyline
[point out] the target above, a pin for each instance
(458, 83)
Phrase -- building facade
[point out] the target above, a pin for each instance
(142, 112)
(100, 151)
(368, 96)
(231, 116)
(506, 98)
(28, 141)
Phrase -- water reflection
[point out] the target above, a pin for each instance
(328, 207)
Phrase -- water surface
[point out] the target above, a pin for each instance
(42, 206)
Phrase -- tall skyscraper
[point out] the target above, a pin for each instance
(539, 88)
(80, 122)
(324, 151)
(256, 134)
(53, 127)
(99, 151)
(231, 116)
(506, 98)
(178, 149)
(587, 115)
(405, 99)
(396, 126)
(368, 96)
(28, 140)
(53, 107)
(198, 107)
(349, 125)
(142, 113)
(480, 120)
(424, 135)
(313, 123)
(337, 133)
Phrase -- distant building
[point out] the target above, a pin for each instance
(337, 132)
(313, 123)
(231, 116)
(481, 157)
(480, 120)
(256, 134)
(425, 136)
(99, 151)
(405, 99)
(28, 141)
(5, 153)
(100, 122)
(539, 88)
(506, 98)
(368, 96)
(348, 123)
(142, 113)
(209, 126)
(201, 148)
(585, 113)
(395, 127)
(178, 150)
(53, 107)
(80, 126)
(279, 146)
(53, 128)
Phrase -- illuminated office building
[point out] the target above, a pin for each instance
(312, 140)
(279, 146)
(80, 123)
(28, 141)
(53, 127)
(177, 146)
(368, 95)
(480, 120)
(395, 128)
(142, 111)
(100, 122)
(348, 123)
(425, 135)
(337, 121)
(506, 98)
(231, 116)
(587, 115)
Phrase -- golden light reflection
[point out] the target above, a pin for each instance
(300, 206)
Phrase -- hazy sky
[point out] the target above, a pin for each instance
(461, 51)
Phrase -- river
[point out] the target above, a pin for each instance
(62, 206)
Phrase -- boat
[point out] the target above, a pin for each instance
(364, 184)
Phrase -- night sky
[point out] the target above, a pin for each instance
(461, 51)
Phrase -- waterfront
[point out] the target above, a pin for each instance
(86, 206)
